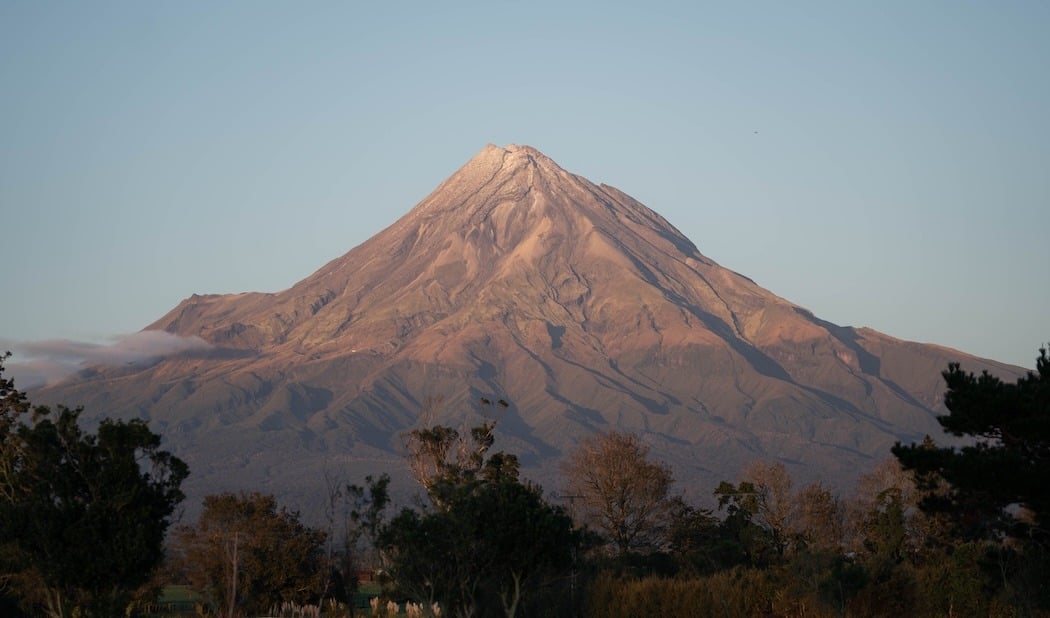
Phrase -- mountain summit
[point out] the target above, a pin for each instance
(517, 280)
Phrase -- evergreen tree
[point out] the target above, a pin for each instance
(996, 486)
(1009, 463)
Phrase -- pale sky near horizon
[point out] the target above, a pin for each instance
(884, 166)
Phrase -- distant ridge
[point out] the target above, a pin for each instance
(518, 280)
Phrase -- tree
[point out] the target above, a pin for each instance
(495, 541)
(622, 494)
(884, 513)
(441, 457)
(1006, 466)
(754, 543)
(996, 485)
(82, 516)
(528, 538)
(246, 554)
(432, 454)
(820, 519)
(490, 540)
(811, 518)
(699, 542)
(774, 500)
(362, 512)
(425, 561)
(367, 515)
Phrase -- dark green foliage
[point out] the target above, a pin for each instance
(490, 543)
(884, 534)
(369, 505)
(1008, 465)
(83, 516)
(248, 555)
(794, 557)
(701, 543)
(838, 579)
(960, 582)
(13, 402)
(996, 487)
(424, 562)
(743, 540)
(1024, 573)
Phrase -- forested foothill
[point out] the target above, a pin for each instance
(87, 528)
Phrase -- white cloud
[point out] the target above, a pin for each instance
(40, 363)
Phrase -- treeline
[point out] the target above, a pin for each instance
(932, 531)
(86, 523)
(774, 550)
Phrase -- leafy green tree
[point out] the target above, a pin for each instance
(699, 542)
(490, 541)
(498, 541)
(426, 563)
(247, 555)
(528, 538)
(753, 544)
(369, 507)
(82, 516)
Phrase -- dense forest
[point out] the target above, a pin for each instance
(87, 528)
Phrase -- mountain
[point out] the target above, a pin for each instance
(520, 281)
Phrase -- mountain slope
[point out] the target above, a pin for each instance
(517, 280)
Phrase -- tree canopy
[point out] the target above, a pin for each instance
(247, 554)
(621, 493)
(489, 542)
(1007, 465)
(82, 515)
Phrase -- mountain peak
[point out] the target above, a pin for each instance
(506, 160)
(523, 150)
(516, 279)
(526, 152)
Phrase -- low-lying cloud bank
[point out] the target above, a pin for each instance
(44, 363)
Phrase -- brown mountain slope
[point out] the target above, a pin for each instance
(515, 279)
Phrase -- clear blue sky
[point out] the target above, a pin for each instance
(884, 166)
